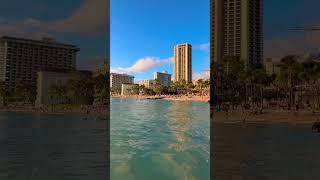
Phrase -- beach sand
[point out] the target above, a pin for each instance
(304, 117)
(173, 98)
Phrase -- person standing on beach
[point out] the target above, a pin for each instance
(87, 113)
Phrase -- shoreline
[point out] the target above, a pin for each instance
(302, 118)
(171, 98)
(57, 110)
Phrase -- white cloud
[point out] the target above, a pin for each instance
(203, 47)
(279, 47)
(171, 60)
(203, 75)
(142, 65)
(90, 17)
(90, 64)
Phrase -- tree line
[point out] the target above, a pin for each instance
(83, 90)
(236, 83)
(23, 93)
(175, 88)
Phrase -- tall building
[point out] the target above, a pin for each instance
(183, 63)
(164, 78)
(21, 59)
(116, 80)
(236, 30)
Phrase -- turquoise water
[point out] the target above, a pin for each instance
(159, 139)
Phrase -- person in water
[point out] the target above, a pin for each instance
(87, 114)
(316, 126)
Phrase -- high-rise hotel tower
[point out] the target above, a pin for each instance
(183, 63)
(21, 59)
(236, 30)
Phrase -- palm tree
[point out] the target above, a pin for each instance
(87, 89)
(57, 93)
(3, 93)
(310, 75)
(207, 83)
(189, 86)
(157, 88)
(26, 92)
(200, 85)
(100, 87)
(290, 69)
(143, 90)
(72, 90)
(134, 90)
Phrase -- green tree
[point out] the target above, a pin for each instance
(143, 90)
(101, 88)
(25, 92)
(134, 90)
(290, 70)
(57, 94)
(200, 85)
(310, 76)
(157, 88)
(3, 93)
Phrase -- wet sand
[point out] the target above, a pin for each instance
(173, 98)
(303, 117)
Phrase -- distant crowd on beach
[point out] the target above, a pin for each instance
(179, 97)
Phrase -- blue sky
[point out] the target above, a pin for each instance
(79, 22)
(280, 15)
(144, 32)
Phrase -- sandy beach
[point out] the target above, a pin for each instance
(303, 117)
(173, 98)
(189, 98)
(71, 109)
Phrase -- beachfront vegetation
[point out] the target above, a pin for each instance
(295, 84)
(201, 87)
(81, 91)
(24, 93)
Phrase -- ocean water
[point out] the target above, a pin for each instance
(159, 140)
(35, 146)
(265, 152)
(152, 139)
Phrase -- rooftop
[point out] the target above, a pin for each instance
(121, 74)
(44, 41)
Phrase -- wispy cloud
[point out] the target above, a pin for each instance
(90, 64)
(203, 75)
(279, 47)
(90, 17)
(203, 47)
(141, 65)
